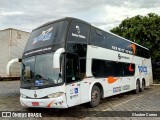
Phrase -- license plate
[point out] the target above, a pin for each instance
(35, 103)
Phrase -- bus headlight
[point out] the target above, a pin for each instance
(23, 96)
(55, 95)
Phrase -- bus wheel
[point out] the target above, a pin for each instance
(137, 87)
(95, 96)
(143, 86)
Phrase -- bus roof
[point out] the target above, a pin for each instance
(66, 18)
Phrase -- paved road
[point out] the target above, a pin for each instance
(149, 100)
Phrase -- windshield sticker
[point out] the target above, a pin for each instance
(78, 34)
(38, 82)
(73, 93)
(76, 90)
(46, 35)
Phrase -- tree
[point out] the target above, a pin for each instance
(144, 30)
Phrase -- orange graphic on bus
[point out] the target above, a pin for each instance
(134, 48)
(111, 79)
(130, 68)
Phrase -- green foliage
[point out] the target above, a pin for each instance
(144, 30)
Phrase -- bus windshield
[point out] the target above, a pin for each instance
(47, 36)
(38, 71)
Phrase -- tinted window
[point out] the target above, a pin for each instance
(97, 38)
(98, 68)
(108, 68)
(117, 69)
(72, 68)
(77, 48)
(147, 54)
(101, 68)
(138, 51)
(78, 32)
(104, 68)
(107, 40)
(47, 35)
(129, 69)
(142, 52)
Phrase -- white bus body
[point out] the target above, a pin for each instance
(124, 71)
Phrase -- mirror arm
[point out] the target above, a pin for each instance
(10, 63)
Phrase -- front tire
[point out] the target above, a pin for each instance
(95, 96)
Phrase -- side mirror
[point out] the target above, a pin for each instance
(10, 63)
(56, 57)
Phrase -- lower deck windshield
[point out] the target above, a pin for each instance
(38, 71)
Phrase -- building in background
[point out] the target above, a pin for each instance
(12, 43)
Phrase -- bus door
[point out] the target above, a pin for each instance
(73, 92)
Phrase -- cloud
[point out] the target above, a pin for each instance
(4, 13)
(106, 14)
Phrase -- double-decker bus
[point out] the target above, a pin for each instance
(68, 62)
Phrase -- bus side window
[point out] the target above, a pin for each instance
(108, 68)
(98, 68)
(126, 69)
(101, 68)
(72, 68)
(117, 69)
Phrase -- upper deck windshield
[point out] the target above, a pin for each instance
(47, 36)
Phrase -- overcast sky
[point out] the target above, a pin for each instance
(106, 14)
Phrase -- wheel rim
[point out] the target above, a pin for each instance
(95, 96)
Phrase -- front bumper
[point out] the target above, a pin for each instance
(59, 102)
